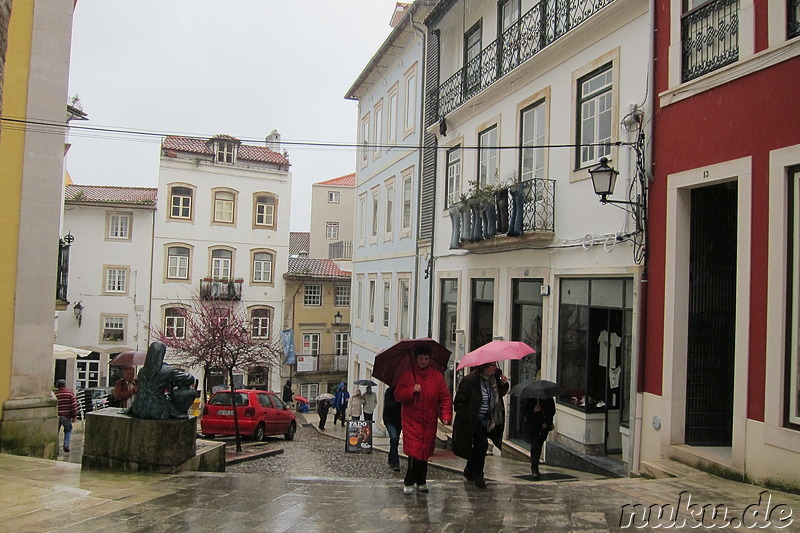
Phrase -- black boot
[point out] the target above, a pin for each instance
(536, 453)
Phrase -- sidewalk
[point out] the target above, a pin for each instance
(500, 469)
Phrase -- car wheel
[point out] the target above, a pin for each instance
(289, 435)
(258, 434)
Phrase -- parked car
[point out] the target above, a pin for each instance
(260, 413)
(93, 399)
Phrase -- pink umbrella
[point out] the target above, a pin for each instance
(495, 351)
(129, 358)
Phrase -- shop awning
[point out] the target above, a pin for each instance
(68, 352)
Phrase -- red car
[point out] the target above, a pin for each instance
(260, 413)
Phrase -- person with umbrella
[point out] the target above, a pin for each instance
(538, 410)
(480, 415)
(370, 400)
(126, 388)
(323, 406)
(424, 398)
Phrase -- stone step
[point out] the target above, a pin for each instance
(665, 469)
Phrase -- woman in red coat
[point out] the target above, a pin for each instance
(425, 398)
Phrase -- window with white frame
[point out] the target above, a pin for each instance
(224, 207)
(310, 343)
(375, 209)
(221, 261)
(405, 224)
(180, 201)
(119, 226)
(312, 295)
(177, 262)
(225, 151)
(360, 298)
(175, 323)
(532, 139)
(472, 59)
(341, 344)
(410, 120)
(371, 309)
(260, 323)
(113, 329)
(487, 156)
(362, 219)
(594, 115)
(262, 267)
(389, 226)
(116, 280)
(342, 296)
(264, 210)
(332, 231)
(404, 294)
(453, 173)
(378, 130)
(333, 197)
(793, 298)
(387, 301)
(391, 116)
(365, 140)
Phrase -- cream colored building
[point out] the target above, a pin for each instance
(333, 204)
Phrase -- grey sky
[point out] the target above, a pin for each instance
(202, 67)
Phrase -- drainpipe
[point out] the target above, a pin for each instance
(150, 277)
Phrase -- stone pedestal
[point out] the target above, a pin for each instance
(113, 441)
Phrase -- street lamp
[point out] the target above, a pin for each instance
(78, 310)
(337, 318)
(604, 178)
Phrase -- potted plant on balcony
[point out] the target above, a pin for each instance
(488, 210)
(501, 199)
(476, 220)
(517, 192)
(455, 220)
(466, 218)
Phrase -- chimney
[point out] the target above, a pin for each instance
(400, 10)
(273, 141)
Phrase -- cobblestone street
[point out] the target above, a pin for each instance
(314, 455)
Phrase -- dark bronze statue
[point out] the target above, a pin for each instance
(164, 392)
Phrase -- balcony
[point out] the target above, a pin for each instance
(325, 363)
(525, 210)
(545, 23)
(221, 289)
(709, 38)
(340, 250)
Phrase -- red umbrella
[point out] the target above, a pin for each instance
(392, 362)
(301, 399)
(495, 351)
(130, 358)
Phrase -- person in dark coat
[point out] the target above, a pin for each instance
(323, 406)
(287, 392)
(340, 399)
(394, 425)
(425, 398)
(538, 419)
(480, 415)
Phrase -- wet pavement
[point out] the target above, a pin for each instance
(41, 495)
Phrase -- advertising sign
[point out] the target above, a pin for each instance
(359, 436)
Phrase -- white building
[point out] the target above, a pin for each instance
(332, 218)
(109, 280)
(386, 255)
(523, 97)
(222, 232)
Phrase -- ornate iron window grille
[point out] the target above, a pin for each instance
(62, 279)
(792, 18)
(709, 37)
(545, 23)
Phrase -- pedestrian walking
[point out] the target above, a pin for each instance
(287, 392)
(355, 405)
(67, 410)
(394, 425)
(537, 423)
(370, 400)
(480, 415)
(323, 406)
(425, 397)
(340, 399)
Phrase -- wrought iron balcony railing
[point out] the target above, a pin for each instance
(792, 18)
(709, 37)
(326, 362)
(524, 208)
(221, 289)
(546, 22)
(340, 250)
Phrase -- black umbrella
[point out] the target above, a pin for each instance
(366, 382)
(535, 388)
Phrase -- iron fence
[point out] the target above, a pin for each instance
(340, 250)
(709, 37)
(220, 289)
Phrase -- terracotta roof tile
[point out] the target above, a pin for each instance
(246, 152)
(110, 194)
(348, 180)
(299, 266)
